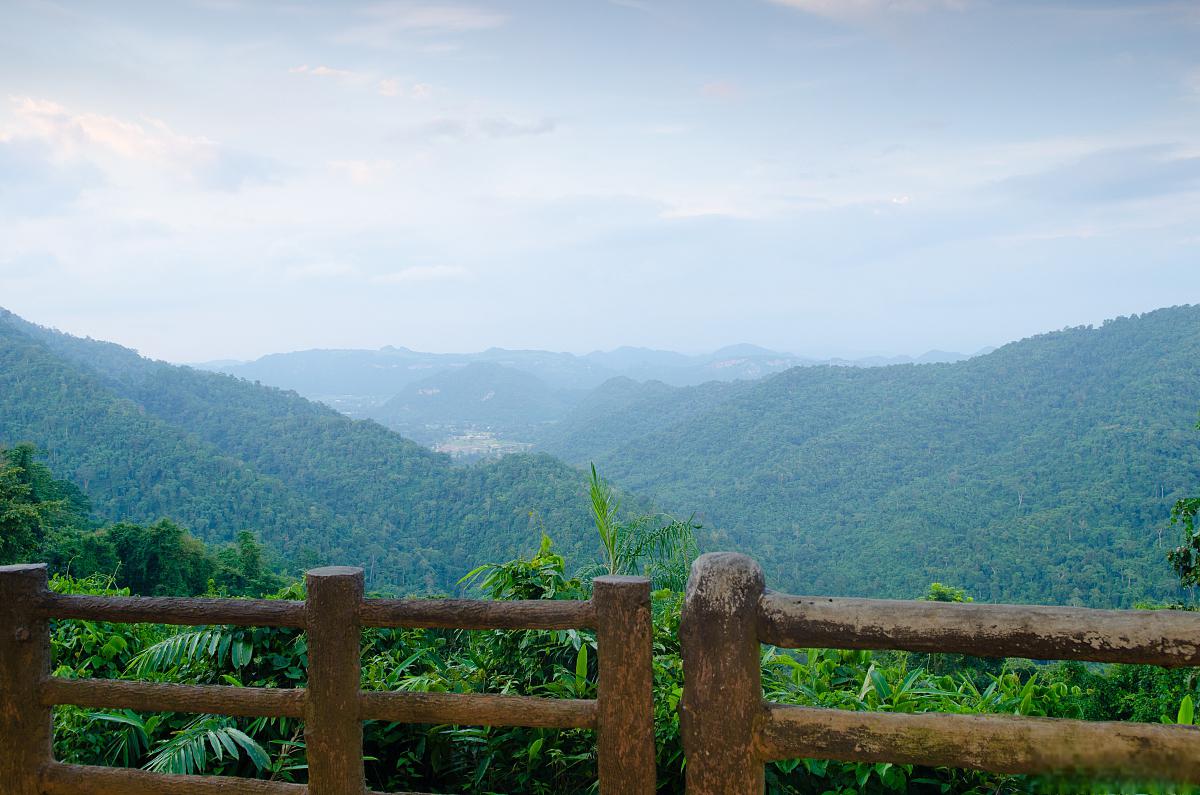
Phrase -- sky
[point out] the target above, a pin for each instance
(221, 179)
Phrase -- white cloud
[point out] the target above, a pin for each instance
(721, 89)
(858, 10)
(330, 269)
(147, 149)
(363, 172)
(666, 129)
(73, 134)
(1192, 83)
(132, 152)
(390, 20)
(421, 273)
(410, 16)
(394, 87)
(452, 129)
(700, 208)
(322, 71)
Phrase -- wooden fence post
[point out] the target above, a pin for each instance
(332, 727)
(722, 707)
(25, 725)
(625, 695)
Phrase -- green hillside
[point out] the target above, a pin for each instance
(621, 409)
(146, 439)
(479, 395)
(1043, 471)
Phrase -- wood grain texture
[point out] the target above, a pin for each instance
(721, 709)
(471, 709)
(176, 610)
(478, 614)
(999, 743)
(155, 697)
(624, 692)
(25, 728)
(332, 726)
(58, 779)
(1169, 638)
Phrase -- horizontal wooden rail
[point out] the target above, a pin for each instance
(729, 732)
(251, 702)
(1169, 638)
(174, 610)
(60, 779)
(433, 613)
(470, 709)
(478, 614)
(467, 709)
(997, 743)
(331, 707)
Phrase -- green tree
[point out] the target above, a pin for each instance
(1185, 558)
(33, 505)
(654, 545)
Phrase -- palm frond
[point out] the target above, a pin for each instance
(133, 739)
(213, 644)
(188, 751)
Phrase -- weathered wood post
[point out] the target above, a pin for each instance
(625, 697)
(332, 728)
(722, 707)
(25, 729)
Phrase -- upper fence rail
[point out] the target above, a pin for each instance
(729, 732)
(332, 706)
(427, 613)
(1168, 638)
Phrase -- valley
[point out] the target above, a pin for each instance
(1041, 471)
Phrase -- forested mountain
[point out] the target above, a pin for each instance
(622, 409)
(357, 382)
(480, 395)
(1043, 471)
(146, 439)
(352, 379)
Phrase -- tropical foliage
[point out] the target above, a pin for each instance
(1038, 473)
(560, 664)
(554, 664)
(146, 439)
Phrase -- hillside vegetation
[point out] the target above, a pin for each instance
(1039, 472)
(480, 395)
(146, 440)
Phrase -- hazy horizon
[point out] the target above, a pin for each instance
(218, 179)
(844, 353)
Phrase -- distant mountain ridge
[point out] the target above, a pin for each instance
(438, 398)
(147, 439)
(327, 374)
(1042, 471)
(476, 395)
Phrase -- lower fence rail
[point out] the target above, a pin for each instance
(995, 743)
(729, 733)
(332, 706)
(59, 779)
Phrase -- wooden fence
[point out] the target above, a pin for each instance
(332, 706)
(730, 732)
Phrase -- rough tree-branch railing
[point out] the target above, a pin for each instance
(730, 732)
(332, 706)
